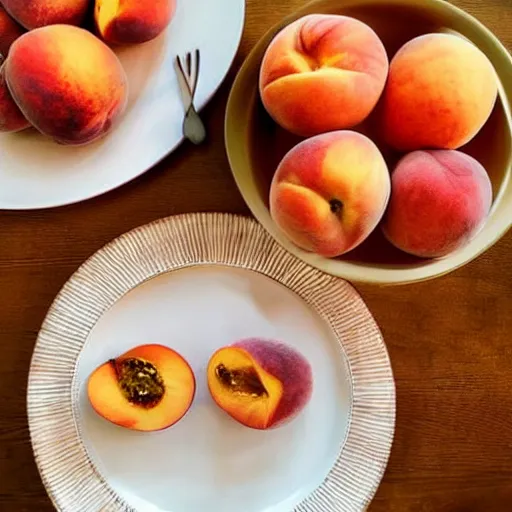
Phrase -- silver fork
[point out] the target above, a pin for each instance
(193, 127)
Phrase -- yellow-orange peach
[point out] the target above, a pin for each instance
(440, 92)
(439, 201)
(330, 191)
(132, 21)
(322, 73)
(9, 31)
(38, 13)
(150, 387)
(11, 117)
(260, 383)
(68, 84)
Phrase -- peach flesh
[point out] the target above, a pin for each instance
(262, 384)
(439, 201)
(150, 387)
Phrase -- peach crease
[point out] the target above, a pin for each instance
(322, 73)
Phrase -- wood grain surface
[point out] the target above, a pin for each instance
(450, 339)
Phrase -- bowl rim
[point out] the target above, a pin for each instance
(381, 274)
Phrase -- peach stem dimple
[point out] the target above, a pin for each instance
(336, 206)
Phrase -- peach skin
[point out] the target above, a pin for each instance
(330, 191)
(262, 384)
(11, 117)
(132, 21)
(39, 13)
(68, 84)
(322, 73)
(150, 387)
(9, 31)
(439, 201)
(440, 92)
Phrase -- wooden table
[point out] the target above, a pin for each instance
(450, 339)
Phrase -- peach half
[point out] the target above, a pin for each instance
(440, 92)
(330, 191)
(150, 387)
(69, 85)
(132, 21)
(322, 73)
(262, 384)
(39, 13)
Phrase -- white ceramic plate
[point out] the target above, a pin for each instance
(35, 172)
(196, 283)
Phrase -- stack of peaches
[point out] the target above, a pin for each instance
(321, 77)
(65, 80)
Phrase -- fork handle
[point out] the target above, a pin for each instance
(193, 127)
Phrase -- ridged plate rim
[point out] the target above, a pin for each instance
(71, 479)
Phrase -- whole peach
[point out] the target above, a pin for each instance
(11, 117)
(68, 84)
(440, 92)
(39, 13)
(322, 73)
(132, 21)
(10, 30)
(439, 201)
(330, 191)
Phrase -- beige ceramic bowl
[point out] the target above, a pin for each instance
(255, 144)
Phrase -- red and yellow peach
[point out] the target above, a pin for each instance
(439, 201)
(440, 92)
(68, 84)
(322, 73)
(39, 13)
(150, 387)
(132, 21)
(11, 117)
(330, 191)
(9, 31)
(262, 384)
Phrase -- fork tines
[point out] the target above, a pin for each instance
(190, 70)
